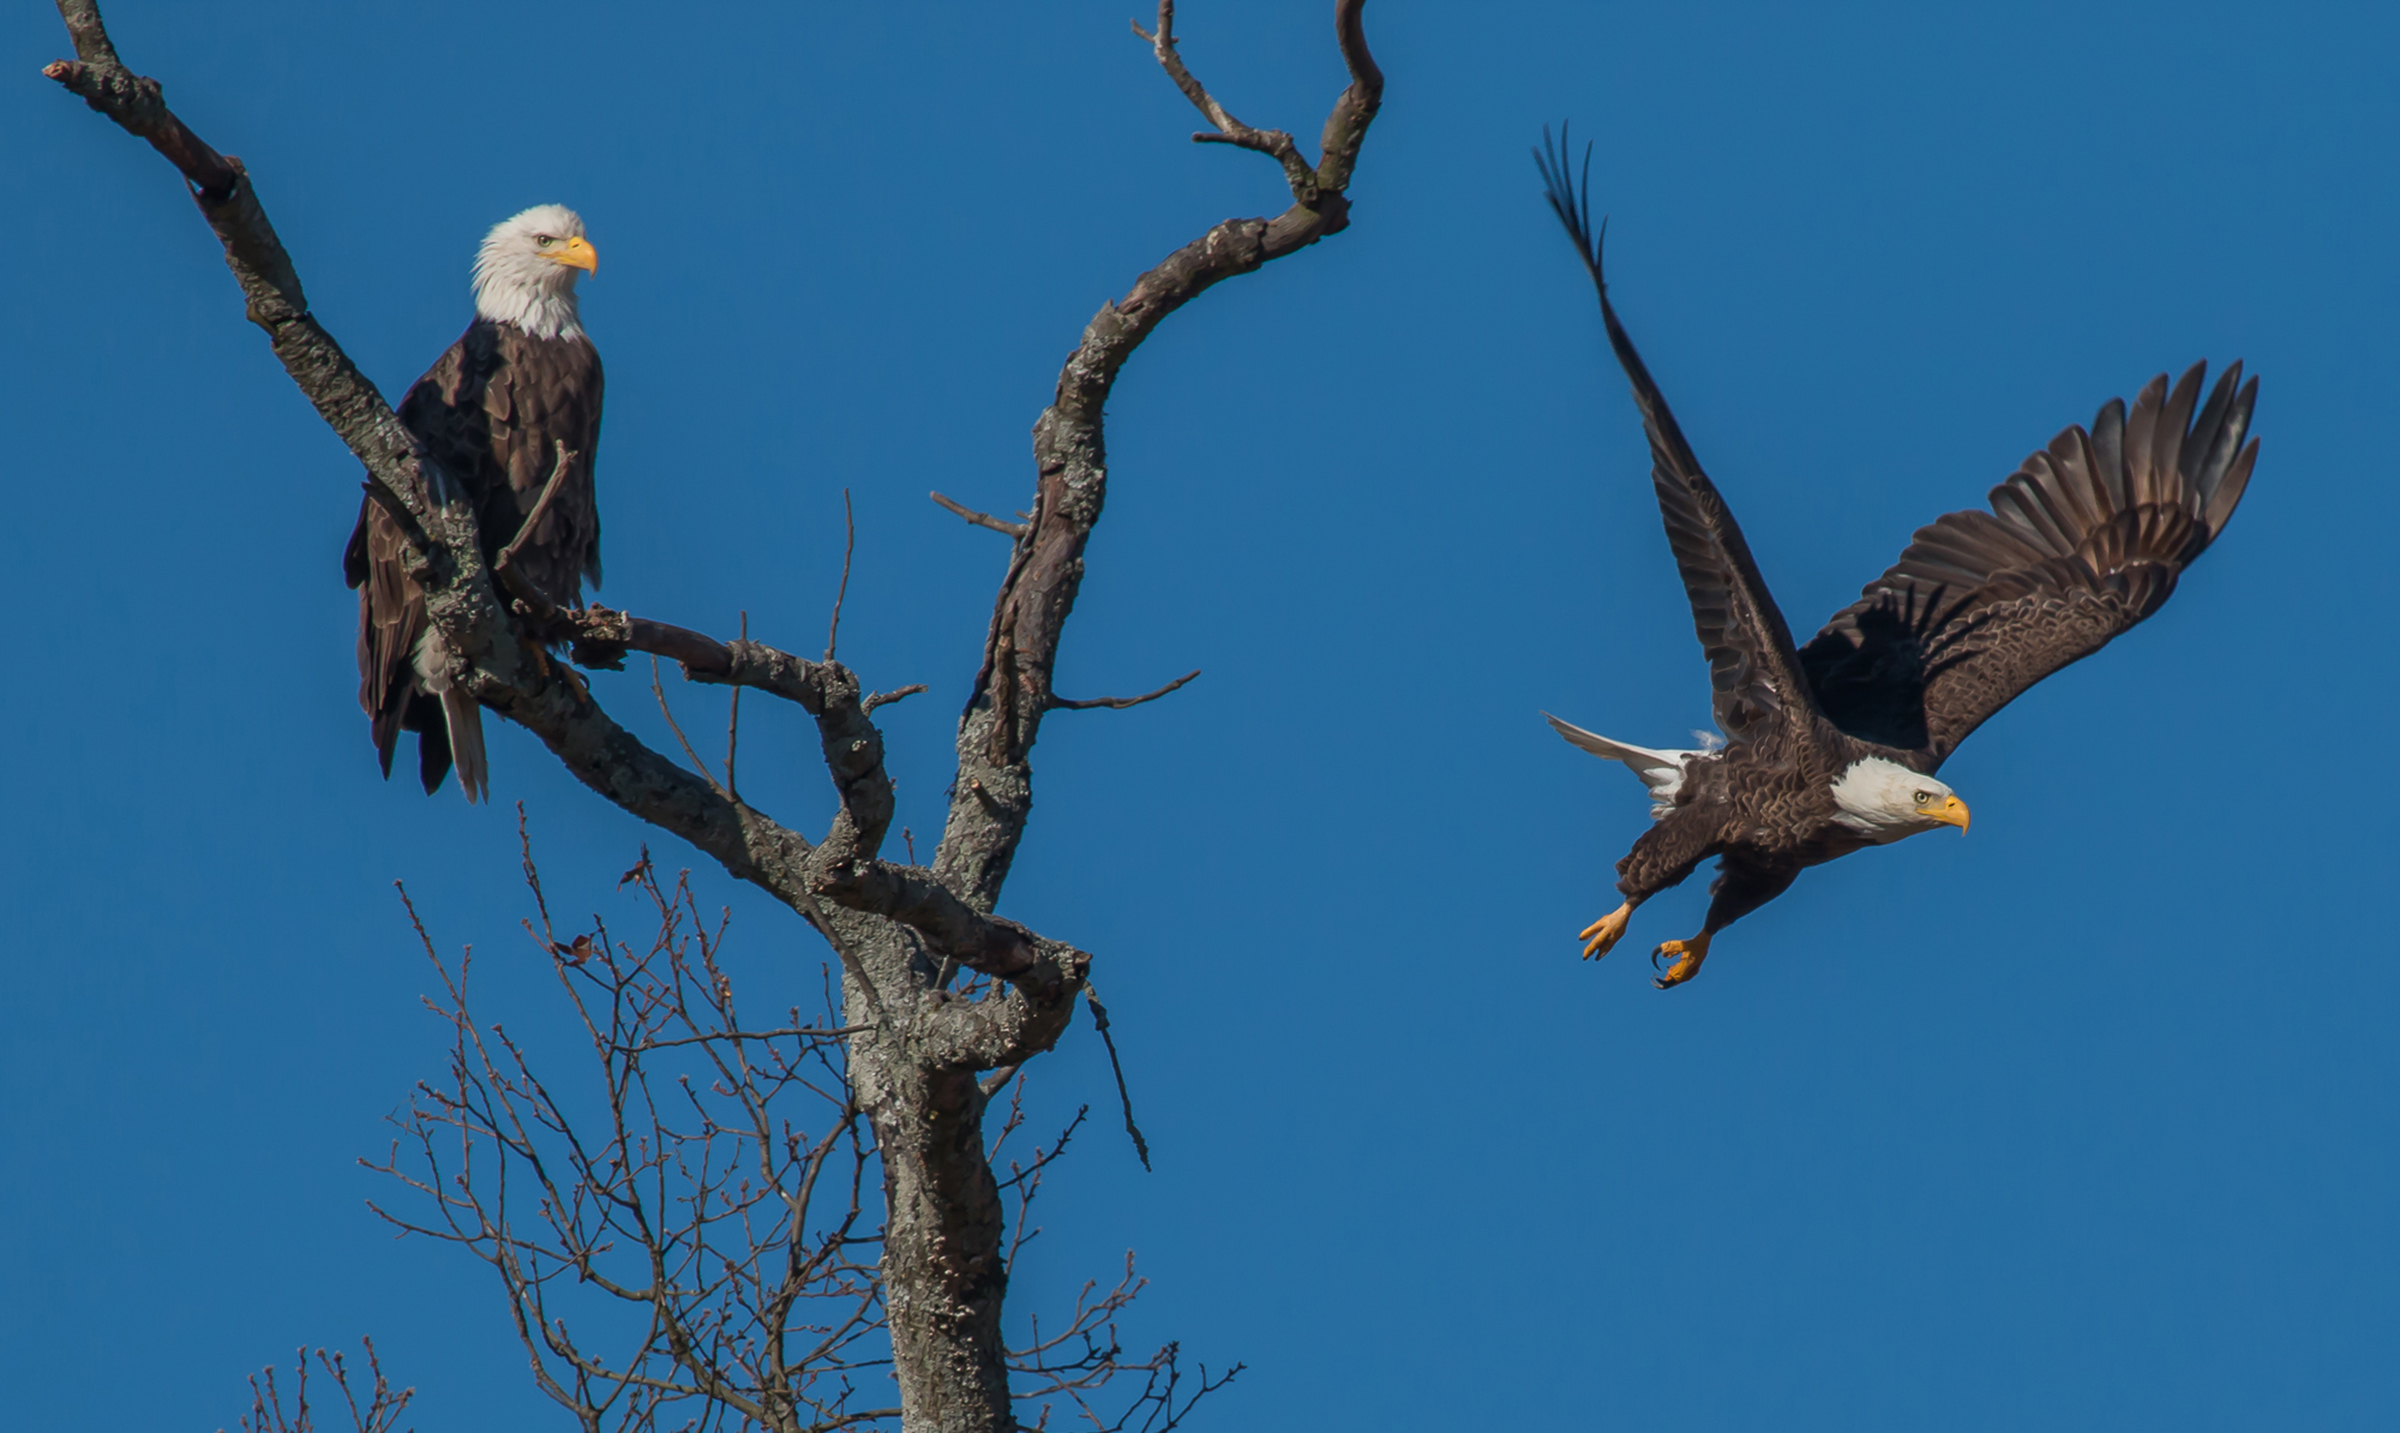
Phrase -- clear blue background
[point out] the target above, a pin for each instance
(2085, 1120)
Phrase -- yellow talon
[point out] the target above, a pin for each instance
(1688, 955)
(1605, 932)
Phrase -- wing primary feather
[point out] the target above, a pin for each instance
(2229, 491)
(2094, 486)
(2108, 444)
(1559, 188)
(2070, 479)
(2174, 422)
(2141, 439)
(2225, 435)
(1754, 669)
(2202, 444)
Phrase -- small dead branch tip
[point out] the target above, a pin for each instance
(1059, 703)
(849, 541)
(563, 459)
(1141, 1146)
(532, 600)
(733, 723)
(885, 699)
(659, 689)
(982, 519)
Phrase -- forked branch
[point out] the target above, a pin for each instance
(993, 795)
(1229, 130)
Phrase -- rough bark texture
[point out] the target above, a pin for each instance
(901, 930)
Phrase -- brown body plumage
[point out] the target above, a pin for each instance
(491, 416)
(1833, 746)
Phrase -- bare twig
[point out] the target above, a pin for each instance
(1059, 703)
(733, 724)
(538, 605)
(659, 690)
(982, 519)
(565, 459)
(382, 1411)
(1272, 142)
(997, 1081)
(791, 1032)
(695, 1216)
(1141, 1146)
(849, 541)
(885, 699)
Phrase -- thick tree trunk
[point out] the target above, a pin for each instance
(945, 1270)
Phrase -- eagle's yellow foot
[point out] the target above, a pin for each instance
(1605, 932)
(1688, 955)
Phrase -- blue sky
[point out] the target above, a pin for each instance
(2084, 1120)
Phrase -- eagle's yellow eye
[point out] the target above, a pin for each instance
(1923, 797)
(544, 240)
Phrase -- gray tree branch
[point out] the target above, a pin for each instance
(993, 796)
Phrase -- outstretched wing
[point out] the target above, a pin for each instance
(1752, 668)
(2086, 539)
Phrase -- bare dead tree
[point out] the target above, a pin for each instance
(923, 1059)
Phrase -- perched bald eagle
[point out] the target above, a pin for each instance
(1832, 747)
(490, 414)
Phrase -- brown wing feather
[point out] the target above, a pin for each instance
(391, 611)
(2085, 540)
(487, 414)
(1754, 674)
(541, 392)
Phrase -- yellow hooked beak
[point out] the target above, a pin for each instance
(1952, 812)
(576, 254)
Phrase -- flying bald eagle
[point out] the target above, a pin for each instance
(490, 415)
(1832, 747)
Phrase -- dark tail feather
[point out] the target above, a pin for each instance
(465, 720)
(384, 731)
(433, 744)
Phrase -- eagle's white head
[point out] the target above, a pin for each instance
(1885, 801)
(525, 271)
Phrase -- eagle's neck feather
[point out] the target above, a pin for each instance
(542, 307)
